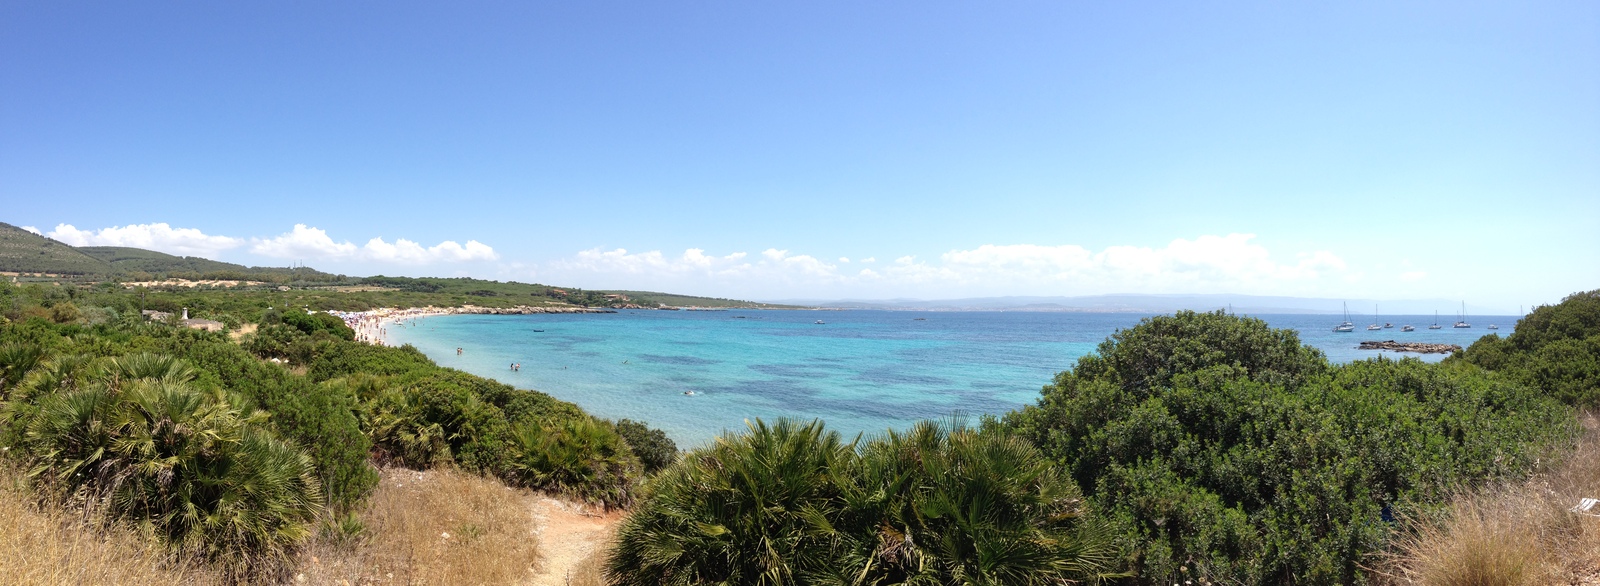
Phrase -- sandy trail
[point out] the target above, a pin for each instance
(568, 533)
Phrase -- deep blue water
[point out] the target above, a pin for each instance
(862, 371)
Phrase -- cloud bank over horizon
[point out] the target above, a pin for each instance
(1206, 264)
(1233, 263)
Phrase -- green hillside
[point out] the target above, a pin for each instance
(649, 298)
(125, 261)
(25, 252)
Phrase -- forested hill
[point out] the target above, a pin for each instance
(22, 251)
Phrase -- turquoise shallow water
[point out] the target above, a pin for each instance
(862, 371)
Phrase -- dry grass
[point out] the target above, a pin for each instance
(47, 545)
(434, 527)
(590, 571)
(1516, 534)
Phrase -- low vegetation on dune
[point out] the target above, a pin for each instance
(1555, 349)
(791, 503)
(1224, 451)
(1199, 448)
(235, 453)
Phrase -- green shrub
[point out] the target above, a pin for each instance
(313, 323)
(654, 448)
(745, 510)
(1255, 463)
(185, 464)
(1555, 348)
(580, 457)
(319, 418)
(791, 503)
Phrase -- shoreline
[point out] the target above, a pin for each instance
(372, 326)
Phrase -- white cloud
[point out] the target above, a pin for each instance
(1207, 263)
(771, 264)
(1231, 263)
(159, 236)
(844, 259)
(308, 243)
(33, 230)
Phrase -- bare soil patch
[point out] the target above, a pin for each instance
(570, 534)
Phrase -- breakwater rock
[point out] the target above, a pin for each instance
(525, 310)
(1417, 347)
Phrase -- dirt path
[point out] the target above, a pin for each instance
(568, 533)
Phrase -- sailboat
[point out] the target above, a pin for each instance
(1346, 326)
(1374, 325)
(1435, 325)
(1462, 323)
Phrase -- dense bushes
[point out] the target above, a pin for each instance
(189, 465)
(318, 418)
(654, 448)
(791, 503)
(435, 416)
(240, 431)
(1556, 348)
(1223, 450)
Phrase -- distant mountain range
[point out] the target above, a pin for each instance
(1135, 303)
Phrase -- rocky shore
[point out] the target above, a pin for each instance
(1417, 347)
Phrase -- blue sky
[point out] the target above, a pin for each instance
(868, 150)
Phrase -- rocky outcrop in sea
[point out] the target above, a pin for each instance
(1418, 347)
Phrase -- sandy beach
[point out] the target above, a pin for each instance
(372, 326)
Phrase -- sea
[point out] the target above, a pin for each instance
(697, 374)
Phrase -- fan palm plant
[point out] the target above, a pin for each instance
(395, 426)
(579, 456)
(790, 503)
(147, 366)
(179, 462)
(752, 508)
(945, 504)
(16, 360)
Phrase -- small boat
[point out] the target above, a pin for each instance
(539, 331)
(1407, 328)
(1493, 327)
(1435, 325)
(1347, 326)
(1387, 325)
(689, 393)
(1462, 323)
(919, 319)
(819, 322)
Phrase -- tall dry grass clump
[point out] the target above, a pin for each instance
(591, 571)
(435, 527)
(1521, 533)
(50, 545)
